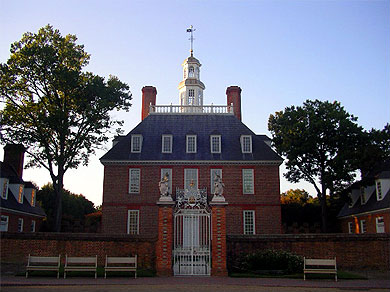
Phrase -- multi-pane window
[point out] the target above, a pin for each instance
(33, 191)
(362, 195)
(167, 172)
(136, 143)
(20, 195)
(249, 222)
(350, 227)
(213, 174)
(380, 225)
(363, 226)
(191, 96)
(32, 229)
(4, 223)
(191, 72)
(246, 144)
(248, 181)
(191, 143)
(215, 143)
(4, 188)
(379, 190)
(20, 225)
(166, 143)
(133, 222)
(134, 180)
(190, 178)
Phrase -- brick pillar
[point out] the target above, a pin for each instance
(233, 94)
(218, 243)
(165, 239)
(148, 98)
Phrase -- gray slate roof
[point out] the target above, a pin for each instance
(178, 125)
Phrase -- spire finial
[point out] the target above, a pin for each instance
(191, 30)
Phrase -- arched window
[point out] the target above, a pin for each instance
(191, 72)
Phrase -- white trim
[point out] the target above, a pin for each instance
(364, 213)
(134, 186)
(128, 221)
(4, 183)
(188, 144)
(5, 224)
(170, 143)
(197, 162)
(379, 191)
(33, 223)
(381, 226)
(21, 212)
(253, 224)
(133, 144)
(350, 227)
(219, 143)
(363, 224)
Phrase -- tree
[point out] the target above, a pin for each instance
(75, 208)
(320, 142)
(296, 196)
(60, 113)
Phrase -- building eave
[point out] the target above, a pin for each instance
(192, 162)
(364, 213)
(20, 212)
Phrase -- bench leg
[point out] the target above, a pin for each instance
(304, 277)
(95, 275)
(105, 275)
(26, 274)
(58, 274)
(135, 275)
(335, 277)
(64, 275)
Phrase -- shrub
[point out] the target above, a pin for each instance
(271, 260)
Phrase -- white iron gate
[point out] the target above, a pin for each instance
(191, 253)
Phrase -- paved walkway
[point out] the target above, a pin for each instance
(187, 284)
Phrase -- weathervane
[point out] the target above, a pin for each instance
(191, 29)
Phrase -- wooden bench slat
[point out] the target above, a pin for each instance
(43, 263)
(319, 266)
(123, 264)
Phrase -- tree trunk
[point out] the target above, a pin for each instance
(324, 216)
(58, 188)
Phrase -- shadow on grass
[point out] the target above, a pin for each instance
(340, 275)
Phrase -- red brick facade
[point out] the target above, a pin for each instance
(370, 223)
(13, 221)
(117, 200)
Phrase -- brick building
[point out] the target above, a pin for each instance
(191, 174)
(369, 207)
(18, 209)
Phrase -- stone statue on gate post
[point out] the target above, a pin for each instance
(218, 189)
(164, 188)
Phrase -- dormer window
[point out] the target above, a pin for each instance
(166, 144)
(246, 144)
(191, 143)
(20, 195)
(362, 196)
(215, 143)
(379, 190)
(33, 191)
(136, 143)
(4, 188)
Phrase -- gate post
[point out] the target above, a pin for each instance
(218, 242)
(165, 237)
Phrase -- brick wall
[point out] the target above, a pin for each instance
(353, 252)
(117, 200)
(370, 222)
(15, 247)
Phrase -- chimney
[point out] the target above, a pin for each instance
(148, 98)
(234, 97)
(14, 156)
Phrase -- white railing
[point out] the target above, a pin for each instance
(191, 109)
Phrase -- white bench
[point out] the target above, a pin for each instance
(80, 264)
(36, 263)
(319, 266)
(123, 264)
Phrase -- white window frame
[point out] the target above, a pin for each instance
(380, 226)
(20, 194)
(4, 223)
(363, 198)
(246, 143)
(130, 229)
(217, 140)
(33, 223)
(134, 182)
(248, 173)
(249, 222)
(20, 224)
(169, 171)
(191, 147)
(363, 226)
(213, 172)
(4, 188)
(379, 194)
(166, 147)
(136, 146)
(189, 175)
(350, 227)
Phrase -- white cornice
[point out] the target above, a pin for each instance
(192, 162)
(21, 212)
(364, 213)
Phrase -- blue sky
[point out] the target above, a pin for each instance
(279, 52)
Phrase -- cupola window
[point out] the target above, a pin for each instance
(191, 72)
(191, 96)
